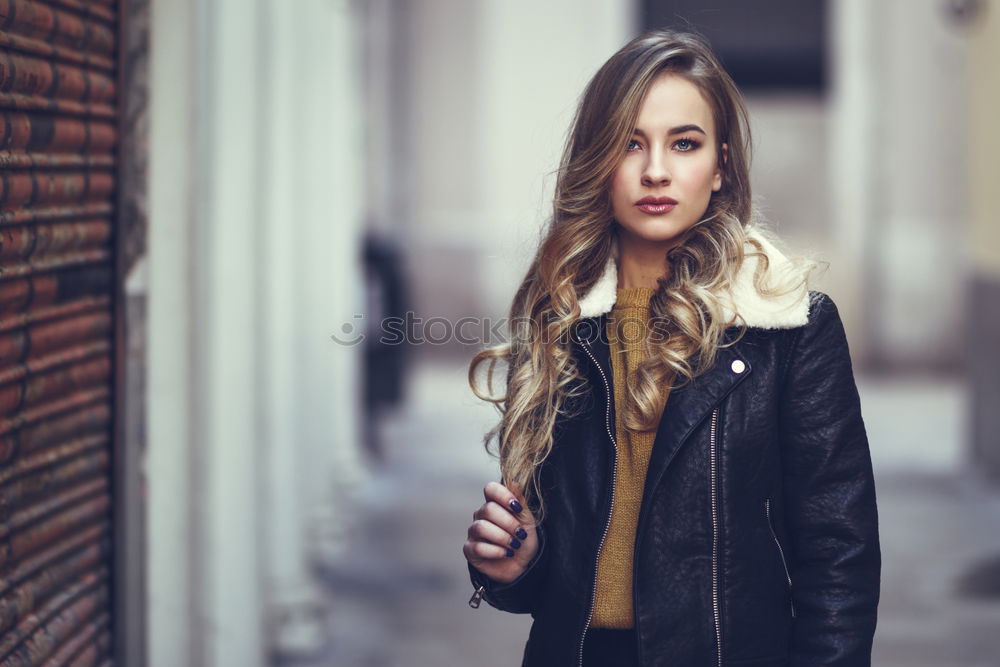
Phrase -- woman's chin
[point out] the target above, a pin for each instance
(658, 234)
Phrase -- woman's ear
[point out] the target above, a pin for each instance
(723, 159)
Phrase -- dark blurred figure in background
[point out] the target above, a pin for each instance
(385, 356)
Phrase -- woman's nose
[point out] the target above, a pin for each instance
(656, 171)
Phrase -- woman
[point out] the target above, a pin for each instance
(687, 479)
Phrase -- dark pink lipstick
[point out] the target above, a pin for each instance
(656, 205)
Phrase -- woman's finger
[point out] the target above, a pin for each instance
(476, 550)
(506, 498)
(502, 517)
(488, 531)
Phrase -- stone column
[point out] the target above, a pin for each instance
(254, 219)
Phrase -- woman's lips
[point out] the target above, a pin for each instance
(656, 209)
(656, 205)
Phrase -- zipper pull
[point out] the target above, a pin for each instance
(477, 597)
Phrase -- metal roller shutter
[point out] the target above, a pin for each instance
(58, 137)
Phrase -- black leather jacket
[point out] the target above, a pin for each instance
(757, 542)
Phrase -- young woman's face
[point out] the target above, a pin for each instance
(664, 183)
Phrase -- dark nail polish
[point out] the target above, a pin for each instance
(515, 543)
(516, 506)
(521, 533)
(509, 553)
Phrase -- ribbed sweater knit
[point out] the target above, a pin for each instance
(613, 596)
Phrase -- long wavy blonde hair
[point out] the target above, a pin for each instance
(686, 306)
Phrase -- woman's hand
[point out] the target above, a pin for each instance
(502, 538)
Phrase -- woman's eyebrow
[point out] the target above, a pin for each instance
(680, 129)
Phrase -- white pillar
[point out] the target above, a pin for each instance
(921, 184)
(228, 249)
(983, 142)
(255, 200)
(330, 154)
(898, 88)
(294, 612)
(173, 152)
(852, 154)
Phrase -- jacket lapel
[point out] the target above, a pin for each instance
(688, 407)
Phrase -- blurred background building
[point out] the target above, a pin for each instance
(207, 208)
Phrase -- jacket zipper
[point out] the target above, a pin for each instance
(477, 597)
(614, 479)
(715, 536)
(781, 552)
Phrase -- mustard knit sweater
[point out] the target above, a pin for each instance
(613, 597)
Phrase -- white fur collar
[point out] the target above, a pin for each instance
(765, 312)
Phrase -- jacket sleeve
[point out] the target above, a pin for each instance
(518, 596)
(830, 508)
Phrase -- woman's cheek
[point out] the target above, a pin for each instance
(702, 177)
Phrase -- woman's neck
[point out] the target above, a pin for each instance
(641, 264)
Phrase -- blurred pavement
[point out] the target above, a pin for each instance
(399, 592)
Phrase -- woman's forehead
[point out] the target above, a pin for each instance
(672, 104)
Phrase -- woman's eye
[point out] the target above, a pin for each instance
(685, 145)
(633, 145)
